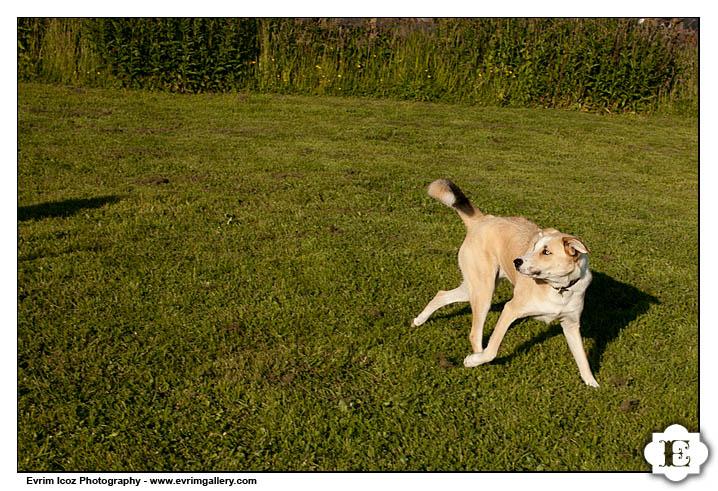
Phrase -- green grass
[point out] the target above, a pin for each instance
(226, 282)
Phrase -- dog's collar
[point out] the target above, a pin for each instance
(565, 288)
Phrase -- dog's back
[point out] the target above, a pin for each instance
(497, 237)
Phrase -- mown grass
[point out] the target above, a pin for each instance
(226, 282)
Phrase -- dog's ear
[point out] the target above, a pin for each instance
(573, 246)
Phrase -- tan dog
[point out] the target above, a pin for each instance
(549, 271)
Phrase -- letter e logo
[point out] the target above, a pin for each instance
(676, 453)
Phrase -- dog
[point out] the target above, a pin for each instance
(549, 271)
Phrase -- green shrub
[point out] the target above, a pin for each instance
(593, 64)
(186, 55)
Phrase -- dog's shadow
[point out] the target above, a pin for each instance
(610, 306)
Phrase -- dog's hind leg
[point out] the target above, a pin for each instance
(507, 317)
(459, 294)
(481, 294)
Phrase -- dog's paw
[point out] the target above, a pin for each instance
(416, 322)
(592, 383)
(474, 360)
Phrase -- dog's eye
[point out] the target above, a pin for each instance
(546, 252)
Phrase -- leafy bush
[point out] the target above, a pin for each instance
(612, 64)
(594, 64)
(186, 55)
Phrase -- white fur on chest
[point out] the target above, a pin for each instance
(559, 304)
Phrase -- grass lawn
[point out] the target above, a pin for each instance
(227, 282)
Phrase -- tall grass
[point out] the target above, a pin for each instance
(593, 64)
(185, 55)
(611, 64)
(58, 50)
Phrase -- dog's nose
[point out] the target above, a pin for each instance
(518, 262)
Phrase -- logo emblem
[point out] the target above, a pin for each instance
(676, 453)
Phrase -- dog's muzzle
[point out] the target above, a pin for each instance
(518, 263)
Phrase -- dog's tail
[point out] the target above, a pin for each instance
(448, 193)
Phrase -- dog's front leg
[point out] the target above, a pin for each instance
(507, 317)
(572, 331)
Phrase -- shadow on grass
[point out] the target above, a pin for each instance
(610, 306)
(63, 208)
